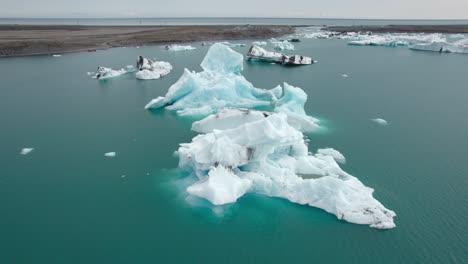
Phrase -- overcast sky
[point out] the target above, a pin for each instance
(398, 9)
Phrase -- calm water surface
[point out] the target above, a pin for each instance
(66, 203)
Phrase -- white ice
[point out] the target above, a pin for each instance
(282, 45)
(106, 73)
(221, 85)
(380, 121)
(337, 156)
(156, 71)
(233, 45)
(260, 152)
(56, 55)
(176, 47)
(110, 154)
(259, 43)
(26, 151)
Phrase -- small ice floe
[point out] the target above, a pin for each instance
(26, 151)
(344, 75)
(110, 154)
(175, 47)
(380, 121)
(150, 70)
(233, 45)
(56, 55)
(260, 54)
(123, 176)
(106, 73)
(91, 73)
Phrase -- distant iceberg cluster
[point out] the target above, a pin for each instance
(251, 141)
(436, 42)
(176, 47)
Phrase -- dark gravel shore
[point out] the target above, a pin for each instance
(402, 28)
(20, 40)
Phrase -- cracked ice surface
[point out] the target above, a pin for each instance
(248, 151)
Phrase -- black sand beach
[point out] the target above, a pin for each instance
(20, 40)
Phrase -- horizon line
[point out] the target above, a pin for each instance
(236, 17)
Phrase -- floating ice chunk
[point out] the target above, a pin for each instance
(337, 156)
(106, 73)
(266, 155)
(176, 47)
(26, 151)
(380, 121)
(282, 45)
(148, 69)
(56, 55)
(110, 154)
(220, 85)
(221, 186)
(259, 43)
(344, 75)
(260, 54)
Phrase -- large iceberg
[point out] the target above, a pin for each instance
(221, 85)
(248, 151)
(148, 69)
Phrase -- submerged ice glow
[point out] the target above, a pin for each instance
(240, 150)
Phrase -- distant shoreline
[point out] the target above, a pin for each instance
(25, 40)
(451, 29)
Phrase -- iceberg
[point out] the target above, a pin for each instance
(282, 44)
(260, 54)
(175, 47)
(110, 154)
(106, 73)
(248, 151)
(26, 151)
(221, 85)
(148, 69)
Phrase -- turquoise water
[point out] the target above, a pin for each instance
(222, 21)
(66, 203)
